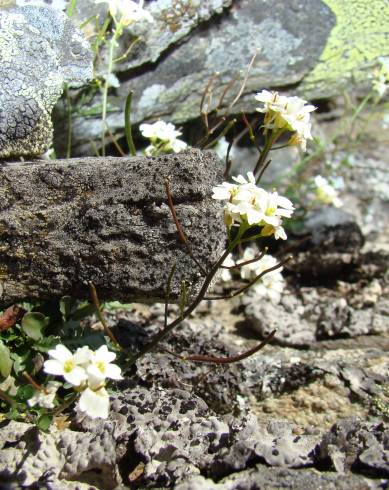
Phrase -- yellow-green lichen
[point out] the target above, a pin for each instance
(360, 36)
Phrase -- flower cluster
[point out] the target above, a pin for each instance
(325, 192)
(287, 114)
(127, 11)
(163, 137)
(251, 205)
(270, 285)
(87, 371)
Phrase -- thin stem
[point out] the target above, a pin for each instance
(115, 142)
(65, 405)
(268, 144)
(251, 261)
(230, 359)
(100, 316)
(32, 382)
(69, 122)
(180, 231)
(223, 133)
(167, 296)
(5, 397)
(200, 296)
(251, 283)
(112, 45)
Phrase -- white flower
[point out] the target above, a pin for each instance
(225, 274)
(64, 363)
(287, 113)
(163, 137)
(100, 367)
(127, 10)
(45, 397)
(325, 192)
(253, 205)
(221, 148)
(94, 403)
(271, 284)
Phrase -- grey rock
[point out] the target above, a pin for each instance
(173, 21)
(40, 50)
(356, 445)
(29, 456)
(291, 319)
(65, 223)
(278, 478)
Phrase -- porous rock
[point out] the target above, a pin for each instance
(40, 50)
(66, 223)
(57, 458)
(355, 445)
(262, 476)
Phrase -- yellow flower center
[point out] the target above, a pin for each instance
(68, 366)
(101, 366)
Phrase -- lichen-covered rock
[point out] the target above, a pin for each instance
(40, 50)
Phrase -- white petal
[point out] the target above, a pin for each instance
(61, 353)
(113, 371)
(94, 403)
(103, 354)
(76, 376)
(53, 367)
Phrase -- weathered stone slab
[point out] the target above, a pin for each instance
(106, 220)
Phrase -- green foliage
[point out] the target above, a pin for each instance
(5, 360)
(33, 324)
(43, 326)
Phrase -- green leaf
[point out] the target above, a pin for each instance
(33, 323)
(46, 343)
(25, 392)
(44, 422)
(5, 360)
(85, 309)
(66, 305)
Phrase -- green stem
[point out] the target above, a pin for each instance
(127, 124)
(69, 122)
(106, 88)
(266, 149)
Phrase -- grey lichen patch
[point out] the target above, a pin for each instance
(40, 49)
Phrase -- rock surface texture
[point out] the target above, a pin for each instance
(40, 50)
(65, 223)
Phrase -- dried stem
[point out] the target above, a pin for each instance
(180, 231)
(32, 381)
(200, 296)
(230, 359)
(251, 283)
(251, 261)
